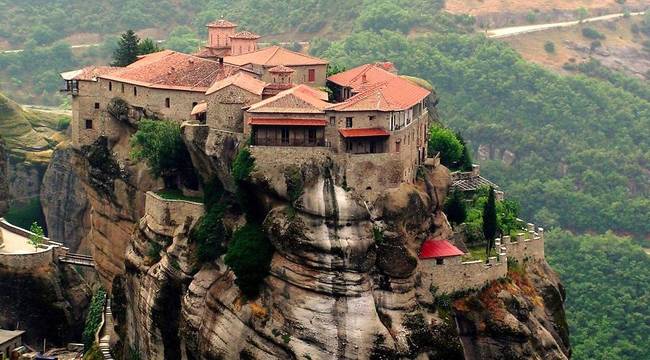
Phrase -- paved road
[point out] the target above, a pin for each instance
(518, 30)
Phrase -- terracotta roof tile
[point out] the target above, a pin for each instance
(222, 23)
(89, 73)
(281, 69)
(241, 80)
(274, 56)
(300, 99)
(364, 132)
(432, 249)
(172, 70)
(210, 52)
(361, 76)
(245, 35)
(287, 122)
(394, 94)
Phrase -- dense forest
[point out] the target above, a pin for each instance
(580, 144)
(608, 294)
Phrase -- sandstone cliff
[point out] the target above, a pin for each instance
(4, 185)
(343, 281)
(48, 302)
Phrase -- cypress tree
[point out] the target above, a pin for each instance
(490, 221)
(455, 208)
(127, 49)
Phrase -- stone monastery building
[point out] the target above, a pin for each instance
(274, 96)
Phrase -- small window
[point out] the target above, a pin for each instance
(371, 118)
(397, 146)
(122, 88)
(89, 123)
(440, 261)
(167, 103)
(332, 120)
(110, 86)
(348, 122)
(194, 104)
(96, 105)
(311, 75)
(135, 91)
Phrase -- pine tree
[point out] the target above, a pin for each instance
(490, 221)
(455, 208)
(127, 49)
(465, 163)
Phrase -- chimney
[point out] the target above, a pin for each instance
(364, 78)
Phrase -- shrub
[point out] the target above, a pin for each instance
(249, 255)
(160, 144)
(455, 208)
(549, 47)
(444, 141)
(465, 163)
(154, 251)
(592, 33)
(595, 45)
(94, 318)
(490, 221)
(63, 123)
(209, 234)
(243, 165)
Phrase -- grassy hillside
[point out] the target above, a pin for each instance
(30, 134)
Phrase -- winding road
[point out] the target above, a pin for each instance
(518, 30)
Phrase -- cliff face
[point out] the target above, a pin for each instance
(4, 184)
(49, 302)
(64, 202)
(343, 281)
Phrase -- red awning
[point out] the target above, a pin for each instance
(432, 249)
(368, 132)
(287, 122)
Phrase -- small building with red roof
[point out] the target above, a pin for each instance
(227, 97)
(442, 251)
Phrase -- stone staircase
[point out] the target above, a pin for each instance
(105, 336)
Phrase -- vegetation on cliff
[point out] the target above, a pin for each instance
(249, 255)
(94, 318)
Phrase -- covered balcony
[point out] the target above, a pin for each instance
(365, 140)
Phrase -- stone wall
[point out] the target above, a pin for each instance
(166, 215)
(27, 262)
(454, 275)
(225, 108)
(300, 76)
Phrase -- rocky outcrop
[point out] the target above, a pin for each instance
(521, 317)
(25, 179)
(4, 184)
(48, 302)
(64, 202)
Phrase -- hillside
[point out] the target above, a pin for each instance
(621, 46)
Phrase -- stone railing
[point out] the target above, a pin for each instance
(165, 215)
(525, 246)
(29, 260)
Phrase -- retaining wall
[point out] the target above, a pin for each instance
(163, 215)
(28, 261)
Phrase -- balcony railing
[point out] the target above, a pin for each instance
(288, 142)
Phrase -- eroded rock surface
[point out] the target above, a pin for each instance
(4, 184)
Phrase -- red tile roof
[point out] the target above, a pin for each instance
(300, 99)
(395, 94)
(245, 35)
(365, 132)
(210, 52)
(89, 73)
(281, 69)
(361, 76)
(287, 122)
(432, 249)
(221, 23)
(274, 56)
(241, 80)
(173, 70)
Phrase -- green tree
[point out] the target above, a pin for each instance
(455, 207)
(37, 237)
(127, 49)
(147, 46)
(490, 221)
(465, 163)
(444, 141)
(549, 47)
(249, 255)
(160, 144)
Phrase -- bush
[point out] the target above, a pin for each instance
(160, 144)
(592, 33)
(445, 141)
(209, 235)
(94, 318)
(249, 255)
(243, 165)
(549, 47)
(595, 45)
